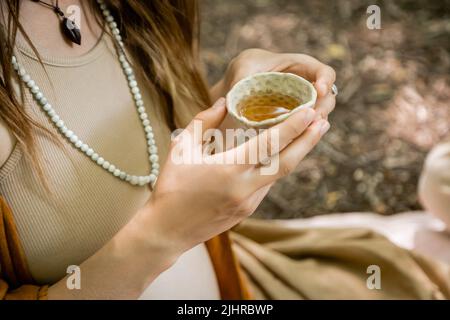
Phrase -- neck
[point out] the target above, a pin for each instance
(42, 26)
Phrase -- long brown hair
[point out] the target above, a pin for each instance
(161, 37)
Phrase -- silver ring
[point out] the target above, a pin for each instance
(334, 90)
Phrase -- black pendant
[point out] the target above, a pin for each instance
(71, 30)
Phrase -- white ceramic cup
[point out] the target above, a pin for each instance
(270, 83)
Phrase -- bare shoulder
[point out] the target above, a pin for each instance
(7, 142)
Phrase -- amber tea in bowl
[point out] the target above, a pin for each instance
(266, 106)
(265, 99)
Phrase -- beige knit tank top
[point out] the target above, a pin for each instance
(87, 205)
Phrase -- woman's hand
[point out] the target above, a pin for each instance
(192, 202)
(253, 61)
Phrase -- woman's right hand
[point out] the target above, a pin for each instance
(193, 202)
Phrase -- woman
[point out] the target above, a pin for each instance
(69, 122)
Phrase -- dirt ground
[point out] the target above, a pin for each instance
(393, 104)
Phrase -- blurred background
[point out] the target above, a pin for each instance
(393, 104)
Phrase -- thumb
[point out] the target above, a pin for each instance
(213, 117)
(209, 118)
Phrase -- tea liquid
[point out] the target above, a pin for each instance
(262, 107)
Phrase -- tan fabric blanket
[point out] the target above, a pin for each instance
(319, 263)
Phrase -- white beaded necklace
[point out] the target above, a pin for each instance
(75, 140)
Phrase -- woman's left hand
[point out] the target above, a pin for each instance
(253, 61)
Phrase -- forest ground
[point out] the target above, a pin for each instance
(393, 104)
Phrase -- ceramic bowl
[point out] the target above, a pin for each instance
(270, 83)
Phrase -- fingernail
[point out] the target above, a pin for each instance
(309, 116)
(219, 103)
(324, 128)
